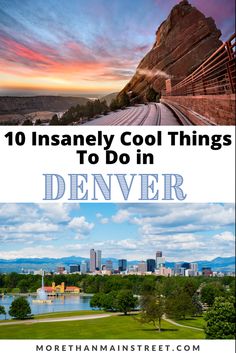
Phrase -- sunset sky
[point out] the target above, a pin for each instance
(88, 47)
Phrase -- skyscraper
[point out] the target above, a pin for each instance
(98, 259)
(84, 267)
(194, 267)
(109, 265)
(122, 265)
(95, 260)
(74, 268)
(142, 266)
(92, 260)
(151, 265)
(160, 261)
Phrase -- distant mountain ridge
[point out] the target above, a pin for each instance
(108, 98)
(24, 105)
(49, 264)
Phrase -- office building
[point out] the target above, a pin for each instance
(133, 268)
(179, 270)
(95, 260)
(207, 271)
(194, 268)
(160, 260)
(186, 265)
(92, 260)
(151, 265)
(109, 265)
(74, 268)
(122, 265)
(142, 267)
(164, 271)
(84, 268)
(61, 270)
(98, 260)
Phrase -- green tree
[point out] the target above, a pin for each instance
(27, 122)
(125, 301)
(151, 95)
(123, 100)
(114, 105)
(152, 309)
(97, 300)
(20, 309)
(220, 319)
(198, 307)
(38, 122)
(54, 120)
(23, 285)
(210, 291)
(104, 301)
(2, 310)
(180, 305)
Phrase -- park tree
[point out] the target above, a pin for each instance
(11, 280)
(97, 300)
(2, 310)
(23, 285)
(210, 291)
(152, 309)
(20, 309)
(125, 301)
(220, 319)
(104, 301)
(190, 286)
(180, 305)
(198, 307)
(149, 285)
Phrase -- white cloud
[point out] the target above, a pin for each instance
(81, 226)
(37, 227)
(104, 220)
(57, 211)
(25, 238)
(35, 251)
(225, 237)
(121, 216)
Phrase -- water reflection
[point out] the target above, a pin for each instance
(59, 303)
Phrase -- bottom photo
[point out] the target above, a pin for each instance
(117, 271)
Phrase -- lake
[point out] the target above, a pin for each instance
(60, 303)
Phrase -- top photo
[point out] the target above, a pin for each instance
(119, 62)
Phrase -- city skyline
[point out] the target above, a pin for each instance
(80, 47)
(185, 232)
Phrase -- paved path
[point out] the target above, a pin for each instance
(151, 114)
(81, 318)
(180, 325)
(167, 116)
(57, 319)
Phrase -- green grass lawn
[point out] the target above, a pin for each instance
(192, 321)
(64, 314)
(69, 313)
(116, 327)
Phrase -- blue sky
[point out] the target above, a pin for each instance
(84, 46)
(185, 232)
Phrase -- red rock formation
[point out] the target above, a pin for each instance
(183, 41)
